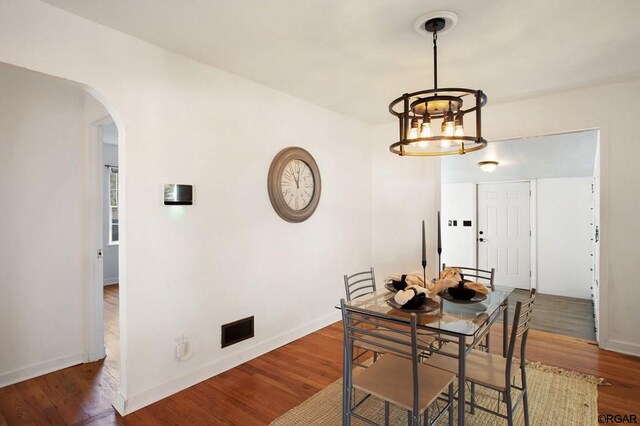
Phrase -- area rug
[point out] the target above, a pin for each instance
(556, 397)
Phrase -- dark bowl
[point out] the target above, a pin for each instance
(461, 293)
(416, 301)
(399, 285)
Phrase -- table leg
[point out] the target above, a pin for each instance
(505, 328)
(462, 351)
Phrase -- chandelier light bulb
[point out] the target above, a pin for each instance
(425, 132)
(425, 129)
(413, 131)
(448, 125)
(459, 126)
(449, 129)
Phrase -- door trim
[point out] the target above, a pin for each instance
(94, 306)
(533, 220)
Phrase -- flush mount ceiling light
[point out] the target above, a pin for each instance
(488, 166)
(419, 112)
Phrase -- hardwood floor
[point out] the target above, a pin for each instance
(557, 314)
(112, 330)
(262, 389)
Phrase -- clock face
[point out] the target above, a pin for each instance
(294, 184)
(297, 184)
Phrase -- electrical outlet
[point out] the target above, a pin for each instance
(183, 349)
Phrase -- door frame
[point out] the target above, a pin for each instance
(94, 308)
(533, 220)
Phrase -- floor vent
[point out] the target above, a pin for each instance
(237, 331)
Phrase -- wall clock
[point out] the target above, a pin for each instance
(294, 184)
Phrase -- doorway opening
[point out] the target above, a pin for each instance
(51, 277)
(535, 219)
(109, 220)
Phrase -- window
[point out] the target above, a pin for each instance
(113, 206)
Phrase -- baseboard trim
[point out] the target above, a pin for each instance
(35, 370)
(120, 404)
(622, 347)
(149, 396)
(109, 281)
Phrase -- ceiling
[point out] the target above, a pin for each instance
(355, 56)
(564, 155)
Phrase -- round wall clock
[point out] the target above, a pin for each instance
(294, 184)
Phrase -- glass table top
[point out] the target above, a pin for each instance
(460, 319)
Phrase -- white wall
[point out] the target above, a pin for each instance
(187, 270)
(458, 242)
(42, 224)
(405, 192)
(110, 269)
(564, 236)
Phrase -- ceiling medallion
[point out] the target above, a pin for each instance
(419, 112)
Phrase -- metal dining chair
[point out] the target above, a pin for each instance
(398, 377)
(360, 284)
(482, 276)
(494, 371)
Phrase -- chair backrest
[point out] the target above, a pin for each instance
(520, 331)
(386, 334)
(360, 284)
(479, 275)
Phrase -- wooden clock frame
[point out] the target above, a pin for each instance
(276, 170)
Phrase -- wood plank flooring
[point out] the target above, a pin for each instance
(262, 389)
(112, 330)
(557, 314)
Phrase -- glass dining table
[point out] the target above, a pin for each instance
(467, 324)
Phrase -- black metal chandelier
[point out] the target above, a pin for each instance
(419, 114)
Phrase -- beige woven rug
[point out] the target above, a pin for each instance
(556, 397)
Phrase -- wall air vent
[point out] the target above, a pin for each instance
(237, 331)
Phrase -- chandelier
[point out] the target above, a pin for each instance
(431, 122)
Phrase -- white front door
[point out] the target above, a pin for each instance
(504, 232)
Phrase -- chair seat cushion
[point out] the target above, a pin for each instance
(480, 367)
(391, 379)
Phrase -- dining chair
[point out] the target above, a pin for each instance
(398, 377)
(482, 276)
(360, 284)
(495, 371)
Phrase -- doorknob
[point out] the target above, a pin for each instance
(482, 240)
